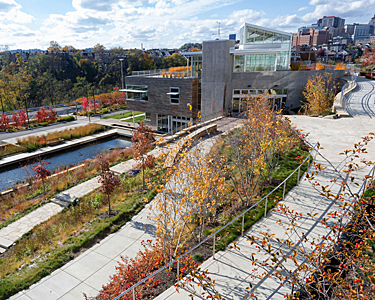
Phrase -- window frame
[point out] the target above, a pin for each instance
(174, 96)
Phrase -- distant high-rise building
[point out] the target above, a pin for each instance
(372, 21)
(331, 21)
(232, 36)
(310, 37)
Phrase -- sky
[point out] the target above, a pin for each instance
(32, 24)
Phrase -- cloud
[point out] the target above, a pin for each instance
(97, 5)
(6, 7)
(302, 8)
(318, 2)
(92, 21)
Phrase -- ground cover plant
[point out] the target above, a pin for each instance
(207, 186)
(31, 143)
(25, 198)
(138, 119)
(53, 243)
(123, 115)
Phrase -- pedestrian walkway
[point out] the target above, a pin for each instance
(361, 102)
(88, 272)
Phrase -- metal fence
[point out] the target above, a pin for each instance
(360, 191)
(213, 235)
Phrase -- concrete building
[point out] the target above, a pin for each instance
(218, 78)
(331, 21)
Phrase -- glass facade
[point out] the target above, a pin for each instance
(261, 62)
(277, 98)
(257, 35)
(137, 92)
(196, 66)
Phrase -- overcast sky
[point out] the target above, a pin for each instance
(27, 24)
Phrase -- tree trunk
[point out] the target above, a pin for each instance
(109, 205)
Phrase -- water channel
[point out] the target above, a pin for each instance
(9, 176)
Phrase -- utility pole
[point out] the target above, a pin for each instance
(2, 105)
(219, 29)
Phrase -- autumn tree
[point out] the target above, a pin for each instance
(42, 114)
(54, 47)
(319, 92)
(52, 115)
(4, 121)
(143, 137)
(41, 171)
(108, 180)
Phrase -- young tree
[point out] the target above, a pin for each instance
(4, 121)
(41, 172)
(108, 180)
(142, 139)
(52, 115)
(19, 118)
(320, 91)
(42, 115)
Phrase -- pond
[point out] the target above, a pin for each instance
(12, 175)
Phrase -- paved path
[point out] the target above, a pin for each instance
(361, 102)
(232, 269)
(88, 272)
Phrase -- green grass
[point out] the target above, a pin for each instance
(288, 163)
(123, 115)
(136, 120)
(93, 232)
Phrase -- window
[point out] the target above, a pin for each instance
(239, 63)
(174, 93)
(148, 116)
(137, 92)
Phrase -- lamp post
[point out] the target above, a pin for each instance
(122, 78)
(2, 105)
(27, 113)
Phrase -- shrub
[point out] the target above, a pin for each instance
(198, 257)
(42, 115)
(52, 115)
(4, 121)
(66, 119)
(320, 66)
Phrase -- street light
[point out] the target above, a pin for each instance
(2, 106)
(122, 78)
(27, 113)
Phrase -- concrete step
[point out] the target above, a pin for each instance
(65, 197)
(60, 202)
(4, 243)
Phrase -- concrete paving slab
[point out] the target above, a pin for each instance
(77, 292)
(98, 279)
(86, 266)
(114, 246)
(53, 288)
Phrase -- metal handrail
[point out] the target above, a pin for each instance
(327, 235)
(265, 198)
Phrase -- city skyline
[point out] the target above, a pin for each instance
(28, 24)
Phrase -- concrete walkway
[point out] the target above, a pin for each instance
(361, 102)
(88, 272)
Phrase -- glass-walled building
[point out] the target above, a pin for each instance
(262, 49)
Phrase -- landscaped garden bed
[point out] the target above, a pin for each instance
(32, 143)
(53, 243)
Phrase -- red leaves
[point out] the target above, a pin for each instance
(42, 115)
(85, 104)
(4, 121)
(41, 170)
(19, 118)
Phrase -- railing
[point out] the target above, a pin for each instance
(165, 73)
(360, 191)
(213, 235)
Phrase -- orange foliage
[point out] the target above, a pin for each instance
(320, 66)
(340, 66)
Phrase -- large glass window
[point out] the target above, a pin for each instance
(268, 36)
(239, 63)
(163, 123)
(196, 66)
(259, 36)
(137, 92)
(282, 60)
(250, 34)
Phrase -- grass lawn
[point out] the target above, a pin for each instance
(53, 243)
(123, 115)
(136, 120)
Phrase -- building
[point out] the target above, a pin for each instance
(218, 78)
(310, 37)
(331, 21)
(362, 33)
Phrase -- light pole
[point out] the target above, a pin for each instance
(27, 113)
(2, 105)
(122, 78)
